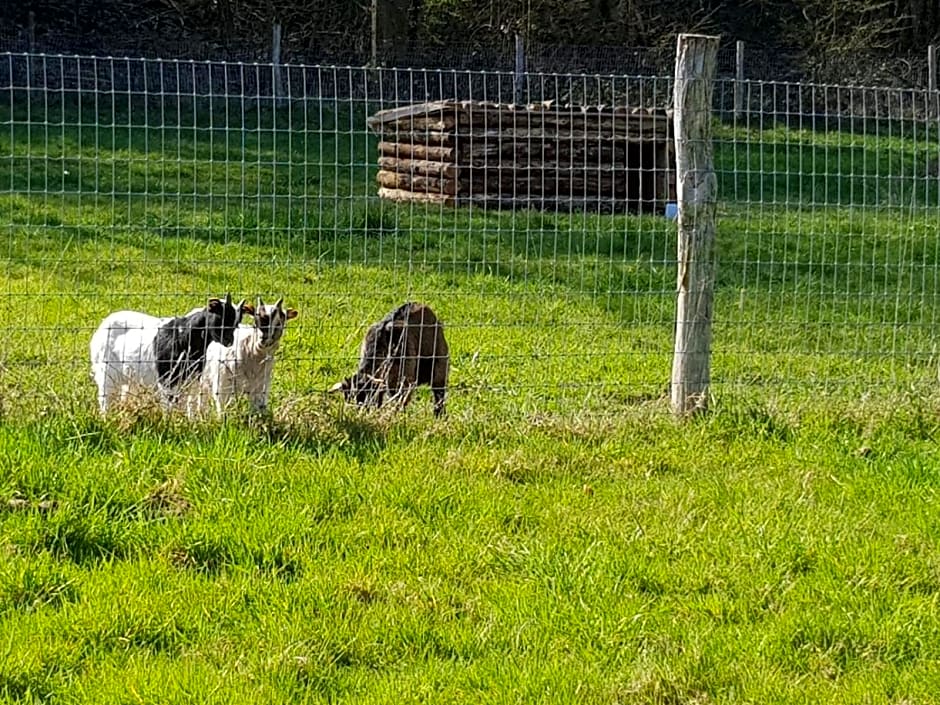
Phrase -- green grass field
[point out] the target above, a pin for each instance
(558, 538)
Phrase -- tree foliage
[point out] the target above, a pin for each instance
(815, 27)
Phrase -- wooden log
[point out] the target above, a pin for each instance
(568, 122)
(546, 153)
(697, 196)
(417, 151)
(552, 169)
(402, 195)
(535, 139)
(517, 132)
(440, 139)
(443, 107)
(563, 162)
(391, 179)
(590, 204)
(510, 174)
(430, 122)
(422, 167)
(449, 114)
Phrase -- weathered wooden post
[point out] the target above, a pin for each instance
(390, 25)
(738, 80)
(374, 34)
(932, 67)
(519, 72)
(31, 28)
(932, 80)
(276, 63)
(696, 192)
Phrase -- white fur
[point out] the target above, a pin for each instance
(122, 355)
(245, 368)
(124, 358)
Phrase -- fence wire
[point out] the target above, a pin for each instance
(151, 185)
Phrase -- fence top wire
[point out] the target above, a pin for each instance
(63, 70)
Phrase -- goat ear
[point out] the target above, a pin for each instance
(279, 304)
(240, 307)
(340, 386)
(214, 305)
(260, 305)
(290, 313)
(228, 298)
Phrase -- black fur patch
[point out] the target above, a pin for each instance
(180, 344)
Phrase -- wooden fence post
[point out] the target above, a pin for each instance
(276, 62)
(696, 192)
(374, 34)
(934, 104)
(390, 28)
(31, 29)
(519, 72)
(932, 67)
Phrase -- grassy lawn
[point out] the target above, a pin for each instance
(558, 537)
(748, 557)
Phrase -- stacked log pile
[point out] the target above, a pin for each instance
(540, 156)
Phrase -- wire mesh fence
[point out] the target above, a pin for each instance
(152, 185)
(828, 236)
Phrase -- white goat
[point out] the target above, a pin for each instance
(132, 350)
(246, 367)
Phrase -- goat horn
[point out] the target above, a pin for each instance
(280, 303)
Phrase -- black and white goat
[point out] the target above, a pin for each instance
(405, 349)
(132, 350)
(245, 368)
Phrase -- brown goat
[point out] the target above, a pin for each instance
(405, 349)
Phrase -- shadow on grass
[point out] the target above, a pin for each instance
(84, 536)
(214, 554)
(40, 683)
(33, 584)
